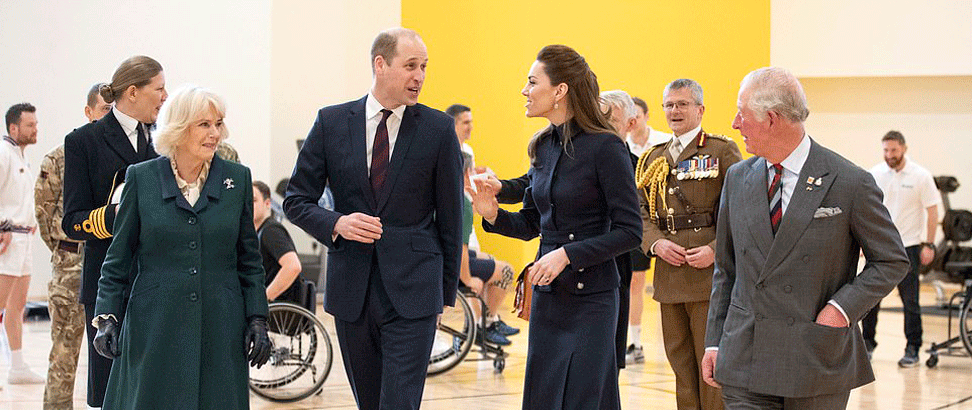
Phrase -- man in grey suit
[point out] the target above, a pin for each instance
(786, 295)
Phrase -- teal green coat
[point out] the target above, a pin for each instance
(199, 277)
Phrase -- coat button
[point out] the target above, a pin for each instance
(193, 271)
(570, 237)
(192, 244)
(806, 258)
(193, 296)
(192, 220)
(788, 288)
(580, 285)
(789, 321)
(580, 270)
(759, 316)
(759, 286)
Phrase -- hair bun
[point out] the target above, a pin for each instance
(107, 93)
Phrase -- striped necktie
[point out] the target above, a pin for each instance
(379, 153)
(776, 198)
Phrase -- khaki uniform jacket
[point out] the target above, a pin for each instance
(49, 200)
(684, 283)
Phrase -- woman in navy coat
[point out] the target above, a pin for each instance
(198, 304)
(583, 204)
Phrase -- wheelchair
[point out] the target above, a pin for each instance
(457, 334)
(301, 353)
(956, 261)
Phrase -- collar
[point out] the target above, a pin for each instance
(373, 108)
(128, 124)
(687, 137)
(794, 162)
(198, 183)
(906, 169)
(11, 141)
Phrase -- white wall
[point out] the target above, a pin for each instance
(852, 38)
(274, 61)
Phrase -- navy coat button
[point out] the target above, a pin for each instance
(193, 296)
(580, 285)
(192, 220)
(192, 244)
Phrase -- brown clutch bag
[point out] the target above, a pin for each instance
(524, 295)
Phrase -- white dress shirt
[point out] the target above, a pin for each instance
(907, 195)
(792, 166)
(372, 119)
(129, 125)
(655, 137)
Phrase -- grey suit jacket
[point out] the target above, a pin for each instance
(767, 291)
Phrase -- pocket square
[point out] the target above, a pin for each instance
(827, 212)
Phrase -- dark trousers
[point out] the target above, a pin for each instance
(99, 367)
(908, 289)
(737, 398)
(386, 356)
(624, 291)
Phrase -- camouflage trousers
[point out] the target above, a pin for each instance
(67, 329)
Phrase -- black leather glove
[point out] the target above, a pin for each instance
(106, 340)
(256, 342)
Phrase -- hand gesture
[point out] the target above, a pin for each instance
(359, 227)
(257, 342)
(670, 252)
(484, 199)
(548, 267)
(700, 257)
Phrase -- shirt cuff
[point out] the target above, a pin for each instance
(652, 247)
(101, 317)
(841, 310)
(712, 349)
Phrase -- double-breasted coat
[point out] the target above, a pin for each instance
(583, 200)
(198, 279)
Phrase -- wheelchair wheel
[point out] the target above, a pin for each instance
(453, 338)
(965, 322)
(300, 355)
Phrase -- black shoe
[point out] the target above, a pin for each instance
(505, 329)
(910, 358)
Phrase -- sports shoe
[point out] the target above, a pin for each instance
(505, 329)
(493, 336)
(24, 375)
(910, 358)
(634, 355)
(869, 348)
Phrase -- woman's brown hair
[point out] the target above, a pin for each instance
(564, 65)
(137, 71)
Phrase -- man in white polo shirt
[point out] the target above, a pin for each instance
(912, 199)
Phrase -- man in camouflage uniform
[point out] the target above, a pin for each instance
(680, 182)
(67, 315)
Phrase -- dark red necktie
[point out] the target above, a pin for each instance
(776, 198)
(379, 153)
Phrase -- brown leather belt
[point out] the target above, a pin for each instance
(67, 246)
(680, 222)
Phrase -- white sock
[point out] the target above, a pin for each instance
(17, 359)
(634, 332)
(492, 319)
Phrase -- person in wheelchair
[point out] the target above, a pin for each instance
(280, 259)
(487, 277)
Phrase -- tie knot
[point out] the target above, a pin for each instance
(778, 168)
(384, 114)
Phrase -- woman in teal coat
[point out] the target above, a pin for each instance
(198, 306)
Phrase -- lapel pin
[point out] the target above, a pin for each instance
(229, 183)
(819, 181)
(809, 188)
(809, 180)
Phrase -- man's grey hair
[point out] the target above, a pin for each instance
(621, 100)
(775, 89)
(686, 83)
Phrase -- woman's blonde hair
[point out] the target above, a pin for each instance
(183, 108)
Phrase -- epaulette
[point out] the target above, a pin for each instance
(721, 137)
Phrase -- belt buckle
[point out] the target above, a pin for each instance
(670, 221)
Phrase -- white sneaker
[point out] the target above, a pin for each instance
(24, 376)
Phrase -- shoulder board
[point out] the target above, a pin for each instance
(717, 136)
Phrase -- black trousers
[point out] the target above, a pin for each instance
(908, 289)
(624, 263)
(386, 356)
(99, 367)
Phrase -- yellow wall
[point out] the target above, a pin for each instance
(480, 52)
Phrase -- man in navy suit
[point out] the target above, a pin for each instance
(394, 234)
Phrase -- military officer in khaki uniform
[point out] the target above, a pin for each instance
(679, 183)
(227, 152)
(67, 314)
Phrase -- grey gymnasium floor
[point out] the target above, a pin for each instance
(474, 385)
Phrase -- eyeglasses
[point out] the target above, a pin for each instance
(680, 104)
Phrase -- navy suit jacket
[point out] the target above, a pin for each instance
(420, 207)
(96, 156)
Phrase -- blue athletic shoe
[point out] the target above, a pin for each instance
(505, 329)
